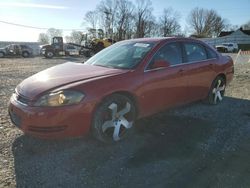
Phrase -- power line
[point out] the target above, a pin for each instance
(33, 27)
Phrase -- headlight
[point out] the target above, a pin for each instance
(60, 98)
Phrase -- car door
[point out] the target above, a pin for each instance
(166, 86)
(10, 50)
(199, 70)
(58, 44)
(18, 50)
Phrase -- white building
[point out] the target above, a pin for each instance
(240, 37)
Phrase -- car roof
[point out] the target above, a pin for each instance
(161, 39)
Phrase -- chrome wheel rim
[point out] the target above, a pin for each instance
(118, 123)
(218, 91)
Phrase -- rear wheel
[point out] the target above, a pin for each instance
(113, 119)
(25, 54)
(217, 90)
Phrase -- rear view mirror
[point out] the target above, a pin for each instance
(160, 64)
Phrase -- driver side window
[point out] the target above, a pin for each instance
(170, 53)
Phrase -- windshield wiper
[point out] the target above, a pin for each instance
(106, 66)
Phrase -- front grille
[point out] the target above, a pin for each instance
(47, 129)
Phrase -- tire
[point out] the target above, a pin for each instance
(114, 118)
(49, 54)
(217, 91)
(1, 54)
(25, 54)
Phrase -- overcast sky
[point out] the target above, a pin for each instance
(68, 14)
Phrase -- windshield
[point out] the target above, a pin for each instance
(8, 46)
(122, 55)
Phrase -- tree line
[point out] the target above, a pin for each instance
(123, 19)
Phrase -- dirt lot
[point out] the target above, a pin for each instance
(193, 146)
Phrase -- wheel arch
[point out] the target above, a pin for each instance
(131, 97)
(26, 51)
(3, 53)
(223, 76)
(124, 93)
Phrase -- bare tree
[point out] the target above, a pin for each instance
(197, 20)
(231, 27)
(123, 18)
(205, 23)
(52, 32)
(151, 27)
(107, 10)
(91, 17)
(246, 26)
(168, 23)
(75, 37)
(92, 32)
(46, 38)
(219, 25)
(43, 38)
(143, 18)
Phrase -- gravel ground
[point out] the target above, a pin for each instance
(196, 145)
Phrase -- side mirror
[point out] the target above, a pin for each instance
(160, 64)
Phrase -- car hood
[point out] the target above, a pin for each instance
(62, 75)
(45, 46)
(2, 49)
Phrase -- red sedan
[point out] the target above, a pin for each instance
(126, 81)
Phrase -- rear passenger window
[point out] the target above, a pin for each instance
(211, 54)
(170, 53)
(194, 52)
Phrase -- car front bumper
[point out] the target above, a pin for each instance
(51, 122)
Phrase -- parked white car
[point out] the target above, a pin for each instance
(227, 47)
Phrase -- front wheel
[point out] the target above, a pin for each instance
(1, 54)
(217, 91)
(114, 119)
(49, 54)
